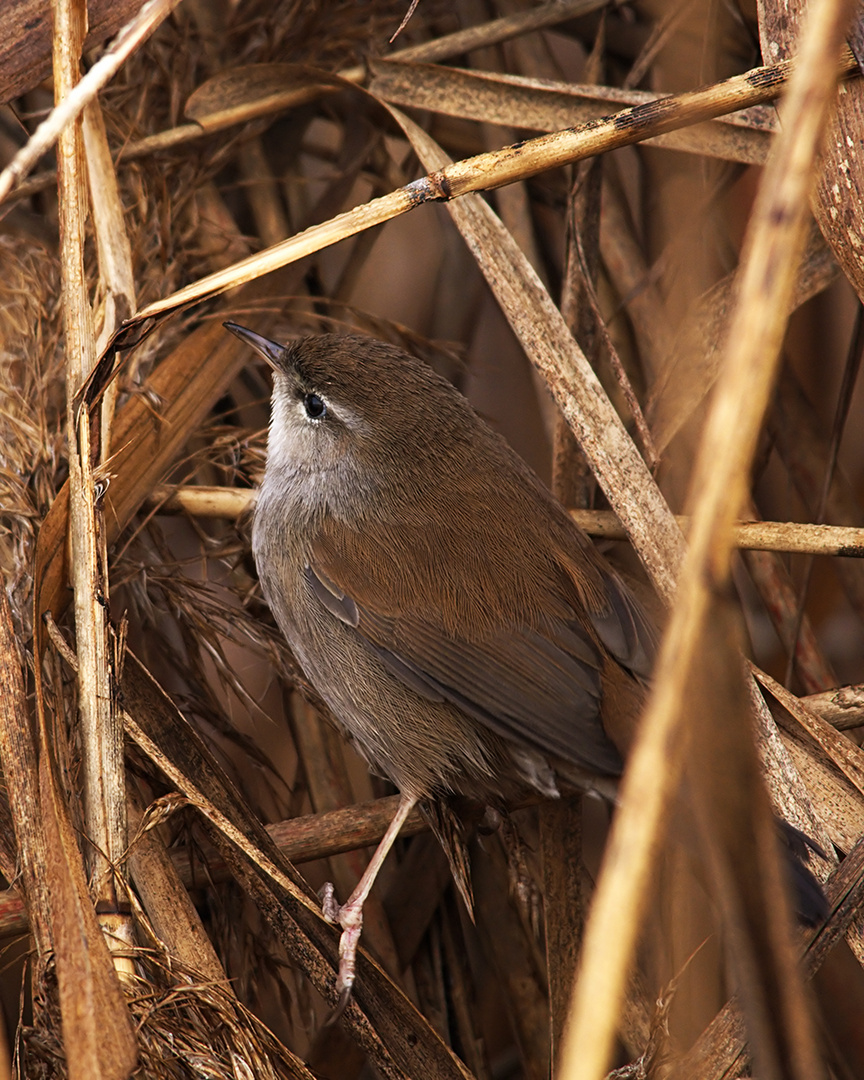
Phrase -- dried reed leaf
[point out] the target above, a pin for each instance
(514, 961)
(846, 755)
(20, 770)
(844, 891)
(839, 200)
(98, 1036)
(563, 891)
(97, 1031)
(115, 252)
(462, 992)
(787, 789)
(539, 105)
(170, 911)
(837, 802)
(252, 90)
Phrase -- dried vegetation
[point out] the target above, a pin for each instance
(256, 161)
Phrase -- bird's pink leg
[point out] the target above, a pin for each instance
(350, 915)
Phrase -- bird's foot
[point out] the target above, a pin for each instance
(350, 917)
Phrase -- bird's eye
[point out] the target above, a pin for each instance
(315, 406)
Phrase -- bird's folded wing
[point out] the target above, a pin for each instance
(536, 684)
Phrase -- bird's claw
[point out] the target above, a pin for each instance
(341, 1005)
(329, 907)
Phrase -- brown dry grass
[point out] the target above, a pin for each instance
(253, 183)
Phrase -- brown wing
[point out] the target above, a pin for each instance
(530, 676)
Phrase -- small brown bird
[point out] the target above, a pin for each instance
(465, 633)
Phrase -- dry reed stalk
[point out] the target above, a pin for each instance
(84, 971)
(102, 729)
(781, 536)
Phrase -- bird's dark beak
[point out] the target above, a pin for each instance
(272, 351)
